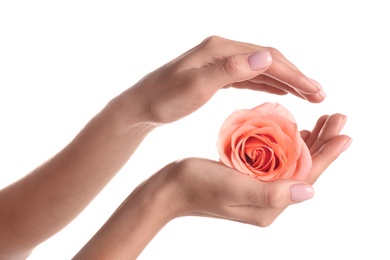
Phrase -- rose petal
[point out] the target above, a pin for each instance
(264, 142)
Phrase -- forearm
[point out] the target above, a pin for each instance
(47, 199)
(135, 223)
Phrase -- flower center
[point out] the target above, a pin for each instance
(260, 156)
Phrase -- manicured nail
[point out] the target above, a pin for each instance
(260, 60)
(347, 145)
(315, 83)
(322, 94)
(301, 192)
(342, 124)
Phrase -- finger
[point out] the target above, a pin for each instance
(265, 79)
(275, 194)
(315, 98)
(244, 47)
(279, 58)
(282, 69)
(328, 153)
(332, 127)
(275, 89)
(305, 134)
(260, 87)
(229, 70)
(290, 76)
(274, 52)
(270, 85)
(262, 79)
(316, 131)
(261, 217)
(237, 189)
(261, 205)
(232, 69)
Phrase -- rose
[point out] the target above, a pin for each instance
(264, 142)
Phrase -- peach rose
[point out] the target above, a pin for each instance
(264, 142)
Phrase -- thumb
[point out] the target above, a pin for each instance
(260, 61)
(236, 68)
(272, 194)
(281, 193)
(300, 192)
(269, 199)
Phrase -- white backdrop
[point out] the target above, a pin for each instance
(62, 61)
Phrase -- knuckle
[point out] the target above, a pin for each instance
(182, 165)
(231, 65)
(273, 51)
(274, 198)
(212, 41)
(264, 222)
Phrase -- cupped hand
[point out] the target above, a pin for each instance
(202, 187)
(186, 83)
(207, 188)
(325, 143)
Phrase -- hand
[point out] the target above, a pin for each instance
(183, 85)
(207, 188)
(325, 143)
(201, 187)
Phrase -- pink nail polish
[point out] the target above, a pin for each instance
(301, 192)
(347, 145)
(322, 94)
(343, 123)
(260, 60)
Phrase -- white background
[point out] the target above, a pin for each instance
(62, 61)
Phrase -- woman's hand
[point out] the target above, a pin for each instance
(201, 187)
(183, 85)
(209, 189)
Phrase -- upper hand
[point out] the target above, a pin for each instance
(186, 83)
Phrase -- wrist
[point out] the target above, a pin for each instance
(161, 194)
(175, 194)
(129, 110)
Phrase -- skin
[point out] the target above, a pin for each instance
(201, 187)
(51, 196)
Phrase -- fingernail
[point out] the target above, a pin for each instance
(347, 145)
(260, 60)
(315, 83)
(301, 192)
(342, 124)
(322, 94)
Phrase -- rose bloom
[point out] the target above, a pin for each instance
(264, 142)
